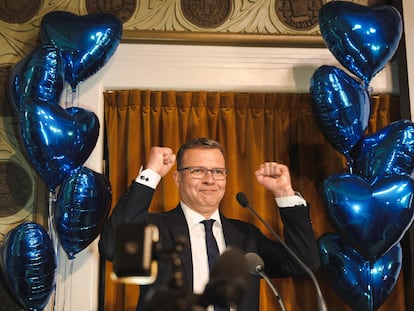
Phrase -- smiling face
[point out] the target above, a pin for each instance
(202, 195)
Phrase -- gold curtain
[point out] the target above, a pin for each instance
(253, 128)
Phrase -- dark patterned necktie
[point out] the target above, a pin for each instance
(211, 243)
(212, 250)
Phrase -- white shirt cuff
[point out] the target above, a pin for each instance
(148, 177)
(291, 200)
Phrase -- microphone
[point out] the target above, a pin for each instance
(229, 280)
(244, 202)
(255, 266)
(242, 199)
(134, 261)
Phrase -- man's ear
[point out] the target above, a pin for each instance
(177, 178)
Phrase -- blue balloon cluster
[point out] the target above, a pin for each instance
(38, 77)
(341, 106)
(371, 215)
(388, 151)
(27, 261)
(83, 204)
(58, 141)
(73, 48)
(371, 206)
(363, 39)
(366, 284)
(86, 42)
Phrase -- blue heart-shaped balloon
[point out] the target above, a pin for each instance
(28, 264)
(38, 77)
(86, 42)
(363, 39)
(57, 140)
(370, 216)
(341, 106)
(82, 206)
(361, 284)
(388, 151)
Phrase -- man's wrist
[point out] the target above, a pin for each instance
(291, 200)
(148, 177)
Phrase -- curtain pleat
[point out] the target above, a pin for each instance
(253, 128)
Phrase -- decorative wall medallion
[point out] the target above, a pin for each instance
(124, 9)
(18, 12)
(206, 13)
(15, 188)
(5, 108)
(299, 14)
(19, 184)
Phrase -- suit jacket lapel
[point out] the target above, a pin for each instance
(179, 230)
(232, 236)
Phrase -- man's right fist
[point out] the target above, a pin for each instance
(161, 160)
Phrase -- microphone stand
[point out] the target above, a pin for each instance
(242, 199)
(266, 278)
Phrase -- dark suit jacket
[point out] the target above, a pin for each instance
(133, 208)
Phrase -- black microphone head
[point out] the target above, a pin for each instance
(242, 199)
(255, 263)
(229, 280)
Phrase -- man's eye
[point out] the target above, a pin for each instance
(218, 171)
(198, 170)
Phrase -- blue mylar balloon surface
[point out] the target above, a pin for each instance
(370, 215)
(38, 77)
(387, 151)
(361, 284)
(57, 140)
(341, 106)
(82, 206)
(86, 42)
(28, 264)
(363, 39)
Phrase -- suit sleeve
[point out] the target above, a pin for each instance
(299, 237)
(131, 208)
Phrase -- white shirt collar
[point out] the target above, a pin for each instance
(193, 218)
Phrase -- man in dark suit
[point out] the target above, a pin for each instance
(201, 180)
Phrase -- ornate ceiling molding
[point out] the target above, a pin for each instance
(260, 22)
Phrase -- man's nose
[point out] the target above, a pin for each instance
(209, 176)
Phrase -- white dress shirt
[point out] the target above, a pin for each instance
(196, 229)
(198, 245)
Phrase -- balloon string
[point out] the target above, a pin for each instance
(370, 285)
(75, 97)
(72, 97)
(67, 90)
(53, 298)
(52, 200)
(56, 280)
(52, 235)
(350, 165)
(369, 89)
(68, 281)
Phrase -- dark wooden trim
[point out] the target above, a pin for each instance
(211, 38)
